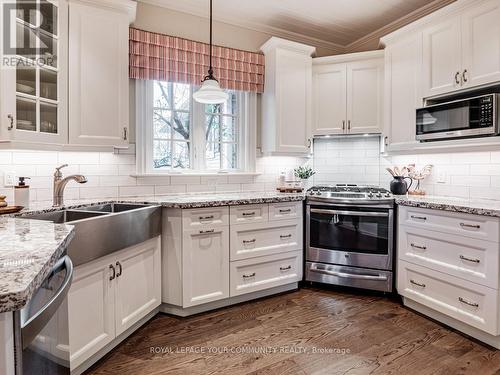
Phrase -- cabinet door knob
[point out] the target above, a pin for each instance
(349, 125)
(249, 275)
(464, 75)
(457, 75)
(113, 275)
(125, 131)
(286, 268)
(11, 122)
(386, 140)
(417, 283)
(465, 225)
(343, 124)
(119, 265)
(463, 300)
(472, 260)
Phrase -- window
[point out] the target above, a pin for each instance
(180, 135)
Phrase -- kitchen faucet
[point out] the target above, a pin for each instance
(60, 184)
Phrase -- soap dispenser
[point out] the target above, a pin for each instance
(22, 193)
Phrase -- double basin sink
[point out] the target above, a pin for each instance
(102, 229)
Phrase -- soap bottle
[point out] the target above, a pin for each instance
(22, 193)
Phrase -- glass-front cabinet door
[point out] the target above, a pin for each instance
(33, 76)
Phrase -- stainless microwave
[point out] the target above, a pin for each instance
(469, 117)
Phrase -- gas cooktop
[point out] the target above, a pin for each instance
(349, 192)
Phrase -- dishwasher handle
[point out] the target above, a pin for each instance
(33, 326)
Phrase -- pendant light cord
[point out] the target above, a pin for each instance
(210, 70)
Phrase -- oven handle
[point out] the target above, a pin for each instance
(348, 275)
(349, 213)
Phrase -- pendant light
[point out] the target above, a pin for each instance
(210, 91)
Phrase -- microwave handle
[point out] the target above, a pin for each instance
(31, 328)
(349, 213)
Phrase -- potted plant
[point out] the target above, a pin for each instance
(304, 173)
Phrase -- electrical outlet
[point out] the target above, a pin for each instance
(9, 179)
(441, 178)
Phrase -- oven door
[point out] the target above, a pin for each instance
(353, 236)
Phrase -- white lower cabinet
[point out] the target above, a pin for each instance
(205, 271)
(109, 295)
(212, 254)
(448, 268)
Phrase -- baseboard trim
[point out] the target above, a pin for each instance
(484, 337)
(101, 353)
(183, 312)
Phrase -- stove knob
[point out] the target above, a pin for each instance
(388, 195)
(379, 195)
(370, 195)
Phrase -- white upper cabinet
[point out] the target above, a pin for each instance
(365, 90)
(348, 93)
(463, 51)
(98, 73)
(441, 56)
(481, 44)
(402, 89)
(286, 102)
(33, 79)
(329, 99)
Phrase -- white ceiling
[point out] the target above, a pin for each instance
(335, 22)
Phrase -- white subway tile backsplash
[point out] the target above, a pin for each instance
(99, 169)
(189, 180)
(170, 189)
(131, 191)
(98, 192)
(29, 158)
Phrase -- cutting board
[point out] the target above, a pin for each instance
(10, 209)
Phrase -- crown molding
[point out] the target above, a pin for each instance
(356, 56)
(275, 42)
(335, 48)
(397, 24)
(254, 26)
(125, 6)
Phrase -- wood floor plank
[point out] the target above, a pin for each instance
(310, 331)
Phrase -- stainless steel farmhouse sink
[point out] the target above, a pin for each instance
(103, 229)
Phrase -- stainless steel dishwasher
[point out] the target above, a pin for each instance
(41, 327)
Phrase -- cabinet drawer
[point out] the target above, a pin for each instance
(464, 257)
(475, 226)
(251, 240)
(284, 211)
(251, 275)
(252, 213)
(199, 217)
(473, 304)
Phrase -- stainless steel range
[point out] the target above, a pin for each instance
(350, 236)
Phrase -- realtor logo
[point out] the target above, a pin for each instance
(27, 33)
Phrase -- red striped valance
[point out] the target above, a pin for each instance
(168, 58)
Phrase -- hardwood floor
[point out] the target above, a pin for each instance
(361, 334)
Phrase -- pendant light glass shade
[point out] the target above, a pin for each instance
(210, 91)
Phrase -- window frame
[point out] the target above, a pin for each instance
(246, 134)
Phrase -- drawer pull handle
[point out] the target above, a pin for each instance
(418, 246)
(418, 217)
(249, 275)
(285, 268)
(248, 213)
(473, 304)
(206, 217)
(207, 231)
(469, 259)
(417, 284)
(284, 236)
(475, 226)
(282, 211)
(249, 241)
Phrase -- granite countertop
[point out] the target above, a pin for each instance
(485, 207)
(180, 200)
(28, 251)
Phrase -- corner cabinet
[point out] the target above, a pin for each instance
(286, 102)
(348, 93)
(402, 91)
(98, 73)
(463, 51)
(33, 81)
